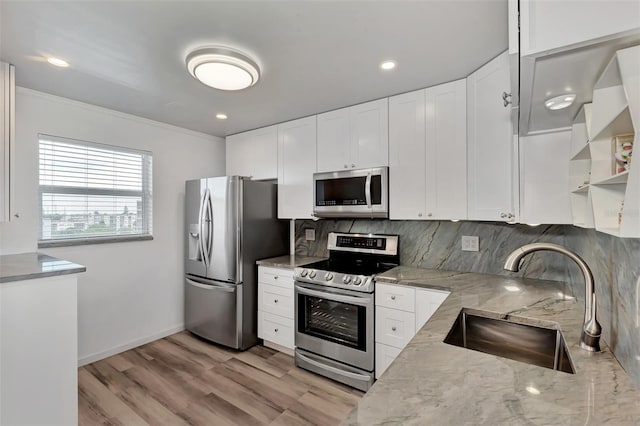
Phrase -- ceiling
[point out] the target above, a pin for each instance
(315, 56)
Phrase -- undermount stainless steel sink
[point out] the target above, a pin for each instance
(487, 332)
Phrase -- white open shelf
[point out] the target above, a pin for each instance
(580, 131)
(601, 197)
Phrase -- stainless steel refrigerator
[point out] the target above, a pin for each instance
(230, 223)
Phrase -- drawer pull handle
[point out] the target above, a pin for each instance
(275, 300)
(393, 297)
(275, 277)
(275, 330)
(393, 328)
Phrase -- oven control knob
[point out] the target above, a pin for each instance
(346, 279)
(312, 274)
(328, 276)
(357, 281)
(304, 273)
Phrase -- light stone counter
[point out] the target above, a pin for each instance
(28, 266)
(433, 383)
(288, 262)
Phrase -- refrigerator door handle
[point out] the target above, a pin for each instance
(209, 227)
(225, 288)
(200, 233)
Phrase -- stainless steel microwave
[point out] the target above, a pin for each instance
(352, 193)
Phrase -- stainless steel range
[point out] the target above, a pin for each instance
(334, 304)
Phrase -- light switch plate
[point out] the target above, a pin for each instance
(470, 243)
(310, 234)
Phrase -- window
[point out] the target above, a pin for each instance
(92, 193)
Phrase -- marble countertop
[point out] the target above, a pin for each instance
(28, 266)
(288, 261)
(431, 382)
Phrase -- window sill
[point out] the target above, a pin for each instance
(94, 240)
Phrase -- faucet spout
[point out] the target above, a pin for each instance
(591, 330)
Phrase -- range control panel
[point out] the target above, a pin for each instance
(361, 242)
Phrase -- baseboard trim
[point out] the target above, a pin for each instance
(278, 347)
(130, 345)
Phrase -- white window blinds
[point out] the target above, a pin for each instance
(91, 192)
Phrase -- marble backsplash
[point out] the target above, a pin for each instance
(615, 263)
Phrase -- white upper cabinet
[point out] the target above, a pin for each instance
(544, 178)
(547, 25)
(253, 153)
(427, 153)
(353, 137)
(296, 165)
(7, 132)
(446, 108)
(491, 151)
(334, 147)
(407, 156)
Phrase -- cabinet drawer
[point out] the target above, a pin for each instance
(384, 357)
(395, 297)
(275, 276)
(276, 329)
(275, 300)
(394, 327)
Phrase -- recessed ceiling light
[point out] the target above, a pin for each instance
(221, 116)
(511, 288)
(223, 68)
(560, 102)
(58, 62)
(388, 65)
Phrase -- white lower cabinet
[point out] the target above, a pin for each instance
(39, 351)
(394, 327)
(276, 329)
(385, 355)
(400, 313)
(276, 307)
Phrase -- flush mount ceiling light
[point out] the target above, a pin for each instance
(560, 102)
(223, 68)
(388, 65)
(58, 62)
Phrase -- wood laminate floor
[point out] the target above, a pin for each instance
(183, 380)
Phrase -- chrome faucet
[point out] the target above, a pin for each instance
(591, 330)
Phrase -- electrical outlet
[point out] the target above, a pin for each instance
(310, 234)
(470, 243)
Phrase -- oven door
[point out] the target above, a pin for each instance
(336, 324)
(351, 193)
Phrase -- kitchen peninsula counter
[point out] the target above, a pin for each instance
(39, 335)
(29, 266)
(432, 382)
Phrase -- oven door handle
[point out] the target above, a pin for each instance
(362, 301)
(332, 369)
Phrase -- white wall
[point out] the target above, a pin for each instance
(132, 292)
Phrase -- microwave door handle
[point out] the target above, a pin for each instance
(367, 190)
